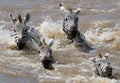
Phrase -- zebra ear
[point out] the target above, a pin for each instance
(43, 41)
(93, 60)
(63, 9)
(20, 18)
(27, 18)
(107, 54)
(12, 18)
(78, 10)
(51, 43)
(100, 55)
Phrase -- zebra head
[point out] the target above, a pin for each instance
(46, 55)
(102, 65)
(70, 23)
(19, 40)
(19, 29)
(19, 22)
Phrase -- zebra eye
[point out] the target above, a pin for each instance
(50, 51)
(66, 19)
(77, 18)
(99, 64)
(108, 63)
(38, 51)
(14, 30)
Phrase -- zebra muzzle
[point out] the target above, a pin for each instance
(107, 71)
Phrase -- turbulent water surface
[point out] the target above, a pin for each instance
(99, 21)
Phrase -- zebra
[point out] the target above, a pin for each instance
(70, 27)
(102, 65)
(29, 36)
(46, 55)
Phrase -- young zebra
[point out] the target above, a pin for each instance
(102, 66)
(46, 55)
(70, 27)
(29, 36)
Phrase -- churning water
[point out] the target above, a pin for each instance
(99, 21)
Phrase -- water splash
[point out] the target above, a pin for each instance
(49, 29)
(104, 35)
(5, 37)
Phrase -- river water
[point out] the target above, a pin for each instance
(99, 21)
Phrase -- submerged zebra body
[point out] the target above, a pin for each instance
(81, 43)
(70, 27)
(29, 36)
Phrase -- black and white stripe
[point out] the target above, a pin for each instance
(16, 35)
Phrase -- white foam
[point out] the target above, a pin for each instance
(49, 77)
(5, 37)
(93, 79)
(49, 29)
(101, 35)
(97, 10)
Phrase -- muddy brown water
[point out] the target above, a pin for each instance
(99, 21)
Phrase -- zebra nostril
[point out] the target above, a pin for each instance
(108, 67)
(72, 28)
(14, 30)
(38, 51)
